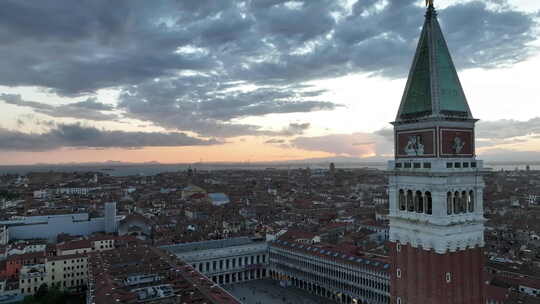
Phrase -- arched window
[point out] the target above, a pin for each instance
(471, 201)
(401, 200)
(464, 200)
(410, 205)
(456, 203)
(429, 203)
(449, 205)
(419, 200)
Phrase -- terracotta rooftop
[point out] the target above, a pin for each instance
(109, 269)
(74, 245)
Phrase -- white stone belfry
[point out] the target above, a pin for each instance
(437, 208)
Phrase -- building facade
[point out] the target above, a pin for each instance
(66, 272)
(337, 276)
(110, 218)
(50, 226)
(225, 261)
(435, 184)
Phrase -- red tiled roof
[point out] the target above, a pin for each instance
(297, 234)
(334, 225)
(26, 256)
(104, 237)
(73, 245)
(350, 251)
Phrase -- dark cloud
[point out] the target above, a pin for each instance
(368, 143)
(481, 142)
(507, 128)
(197, 10)
(338, 144)
(78, 47)
(275, 141)
(279, 21)
(296, 129)
(382, 41)
(199, 65)
(89, 109)
(480, 37)
(510, 155)
(224, 30)
(387, 133)
(92, 104)
(76, 135)
(205, 105)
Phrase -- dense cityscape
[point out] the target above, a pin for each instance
(435, 224)
(170, 237)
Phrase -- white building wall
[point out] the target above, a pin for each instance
(68, 273)
(529, 290)
(110, 217)
(4, 235)
(41, 194)
(56, 225)
(49, 226)
(229, 264)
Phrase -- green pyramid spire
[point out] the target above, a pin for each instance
(433, 88)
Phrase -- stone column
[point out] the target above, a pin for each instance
(479, 201)
(450, 203)
(424, 200)
(439, 203)
(393, 200)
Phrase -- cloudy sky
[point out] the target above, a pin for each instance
(258, 80)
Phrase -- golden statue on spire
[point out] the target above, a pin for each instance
(429, 3)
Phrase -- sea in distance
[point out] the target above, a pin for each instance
(146, 169)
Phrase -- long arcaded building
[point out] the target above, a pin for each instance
(225, 261)
(339, 274)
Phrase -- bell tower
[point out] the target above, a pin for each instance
(435, 184)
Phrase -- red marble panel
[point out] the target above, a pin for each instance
(416, 143)
(456, 142)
